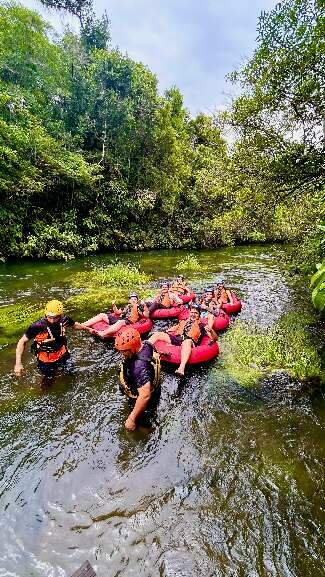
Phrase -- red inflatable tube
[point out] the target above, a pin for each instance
(205, 351)
(221, 322)
(187, 298)
(235, 308)
(166, 313)
(143, 326)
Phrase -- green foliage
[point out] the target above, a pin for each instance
(92, 157)
(101, 285)
(189, 263)
(248, 353)
(82, 9)
(118, 275)
(277, 163)
(15, 318)
(317, 283)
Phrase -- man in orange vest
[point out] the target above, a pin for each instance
(165, 299)
(50, 343)
(186, 334)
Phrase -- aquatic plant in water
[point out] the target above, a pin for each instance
(15, 318)
(317, 283)
(114, 275)
(190, 263)
(249, 352)
(101, 285)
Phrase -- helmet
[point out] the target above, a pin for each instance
(196, 307)
(181, 276)
(209, 290)
(53, 309)
(165, 282)
(133, 295)
(128, 340)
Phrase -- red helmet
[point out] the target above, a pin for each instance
(128, 340)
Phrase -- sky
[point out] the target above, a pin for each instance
(186, 43)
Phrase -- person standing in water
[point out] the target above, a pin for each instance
(49, 343)
(139, 374)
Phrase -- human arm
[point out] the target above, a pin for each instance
(230, 298)
(214, 307)
(139, 407)
(115, 310)
(172, 329)
(19, 352)
(211, 333)
(145, 310)
(175, 298)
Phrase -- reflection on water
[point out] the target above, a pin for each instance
(228, 483)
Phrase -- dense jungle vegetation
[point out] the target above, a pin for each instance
(92, 157)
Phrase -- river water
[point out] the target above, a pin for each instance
(229, 482)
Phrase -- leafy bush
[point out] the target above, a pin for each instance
(248, 352)
(103, 284)
(189, 263)
(318, 284)
(114, 275)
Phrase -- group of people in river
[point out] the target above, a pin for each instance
(140, 370)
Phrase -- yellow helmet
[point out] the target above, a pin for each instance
(53, 309)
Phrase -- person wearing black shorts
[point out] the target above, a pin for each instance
(186, 334)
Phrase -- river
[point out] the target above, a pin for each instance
(229, 482)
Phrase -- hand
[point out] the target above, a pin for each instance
(113, 303)
(130, 424)
(208, 331)
(19, 369)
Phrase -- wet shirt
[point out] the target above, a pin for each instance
(138, 370)
(41, 327)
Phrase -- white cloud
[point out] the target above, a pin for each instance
(184, 42)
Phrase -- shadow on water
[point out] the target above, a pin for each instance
(228, 481)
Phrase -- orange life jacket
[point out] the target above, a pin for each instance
(188, 328)
(131, 313)
(46, 346)
(165, 300)
(222, 296)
